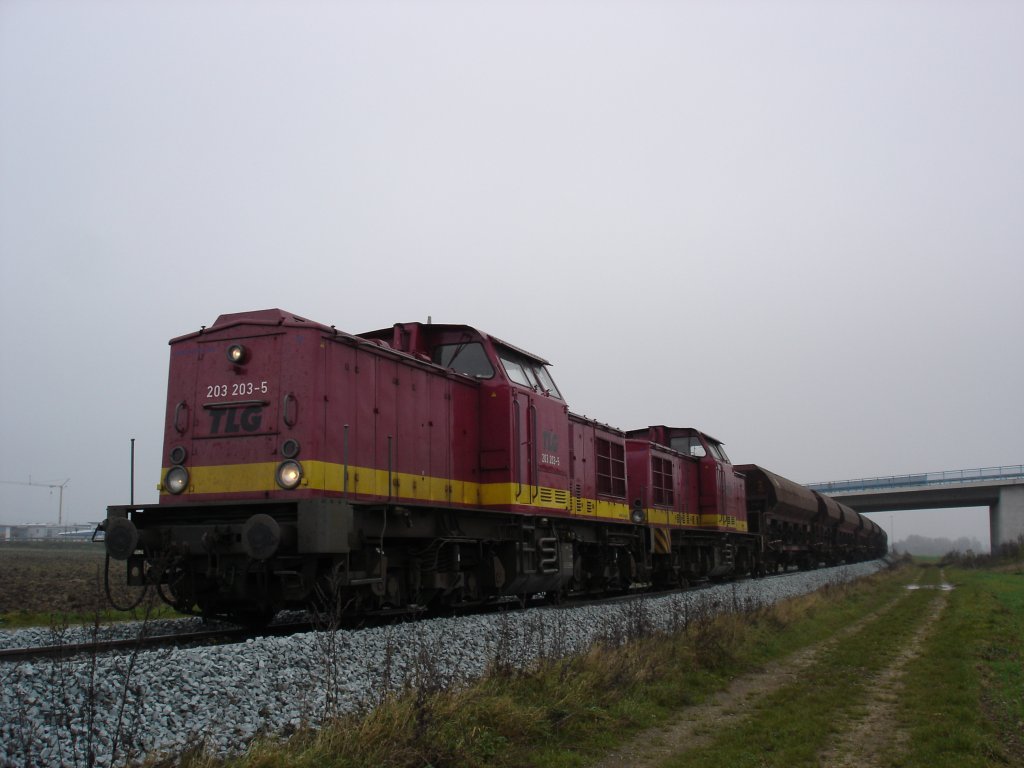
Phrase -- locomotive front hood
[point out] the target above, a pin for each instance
(266, 317)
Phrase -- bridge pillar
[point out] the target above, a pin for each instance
(1006, 517)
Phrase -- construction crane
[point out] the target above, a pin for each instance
(51, 486)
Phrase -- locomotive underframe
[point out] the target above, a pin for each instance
(247, 560)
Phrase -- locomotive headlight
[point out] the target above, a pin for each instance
(637, 514)
(289, 474)
(237, 354)
(176, 479)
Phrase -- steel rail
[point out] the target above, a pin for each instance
(225, 635)
(144, 642)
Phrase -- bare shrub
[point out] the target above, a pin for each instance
(502, 662)
(714, 640)
(330, 642)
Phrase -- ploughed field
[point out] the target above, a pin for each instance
(41, 582)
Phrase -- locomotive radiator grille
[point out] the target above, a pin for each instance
(553, 497)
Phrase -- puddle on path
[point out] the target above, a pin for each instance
(943, 587)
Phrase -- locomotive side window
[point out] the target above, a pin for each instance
(611, 468)
(661, 481)
(528, 373)
(516, 371)
(468, 358)
(547, 382)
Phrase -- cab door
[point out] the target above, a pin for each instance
(540, 433)
(541, 447)
(522, 447)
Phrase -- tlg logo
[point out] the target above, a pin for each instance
(235, 420)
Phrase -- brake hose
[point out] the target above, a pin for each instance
(110, 597)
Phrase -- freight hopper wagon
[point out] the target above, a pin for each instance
(804, 528)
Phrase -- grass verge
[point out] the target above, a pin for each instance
(963, 702)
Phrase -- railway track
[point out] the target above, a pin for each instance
(225, 635)
(146, 642)
(230, 634)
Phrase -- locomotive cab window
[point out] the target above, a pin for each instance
(467, 357)
(688, 446)
(517, 372)
(546, 382)
(719, 452)
(528, 373)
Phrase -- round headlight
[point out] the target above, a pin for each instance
(637, 514)
(237, 354)
(289, 474)
(178, 455)
(290, 448)
(176, 479)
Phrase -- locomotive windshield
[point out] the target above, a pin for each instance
(691, 445)
(466, 357)
(528, 373)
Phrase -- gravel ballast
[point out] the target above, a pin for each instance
(124, 707)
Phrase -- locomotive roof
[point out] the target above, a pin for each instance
(642, 432)
(280, 317)
(270, 317)
(385, 333)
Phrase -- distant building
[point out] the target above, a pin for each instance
(45, 532)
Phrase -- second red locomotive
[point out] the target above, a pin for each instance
(426, 465)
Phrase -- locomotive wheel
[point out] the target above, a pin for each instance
(394, 595)
(181, 583)
(471, 587)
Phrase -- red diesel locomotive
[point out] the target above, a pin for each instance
(433, 465)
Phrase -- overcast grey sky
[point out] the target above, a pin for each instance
(796, 225)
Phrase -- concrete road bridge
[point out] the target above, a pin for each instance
(1001, 489)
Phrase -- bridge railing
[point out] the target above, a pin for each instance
(928, 478)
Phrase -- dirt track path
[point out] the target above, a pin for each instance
(874, 735)
(696, 726)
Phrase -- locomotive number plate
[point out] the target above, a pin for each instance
(237, 389)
